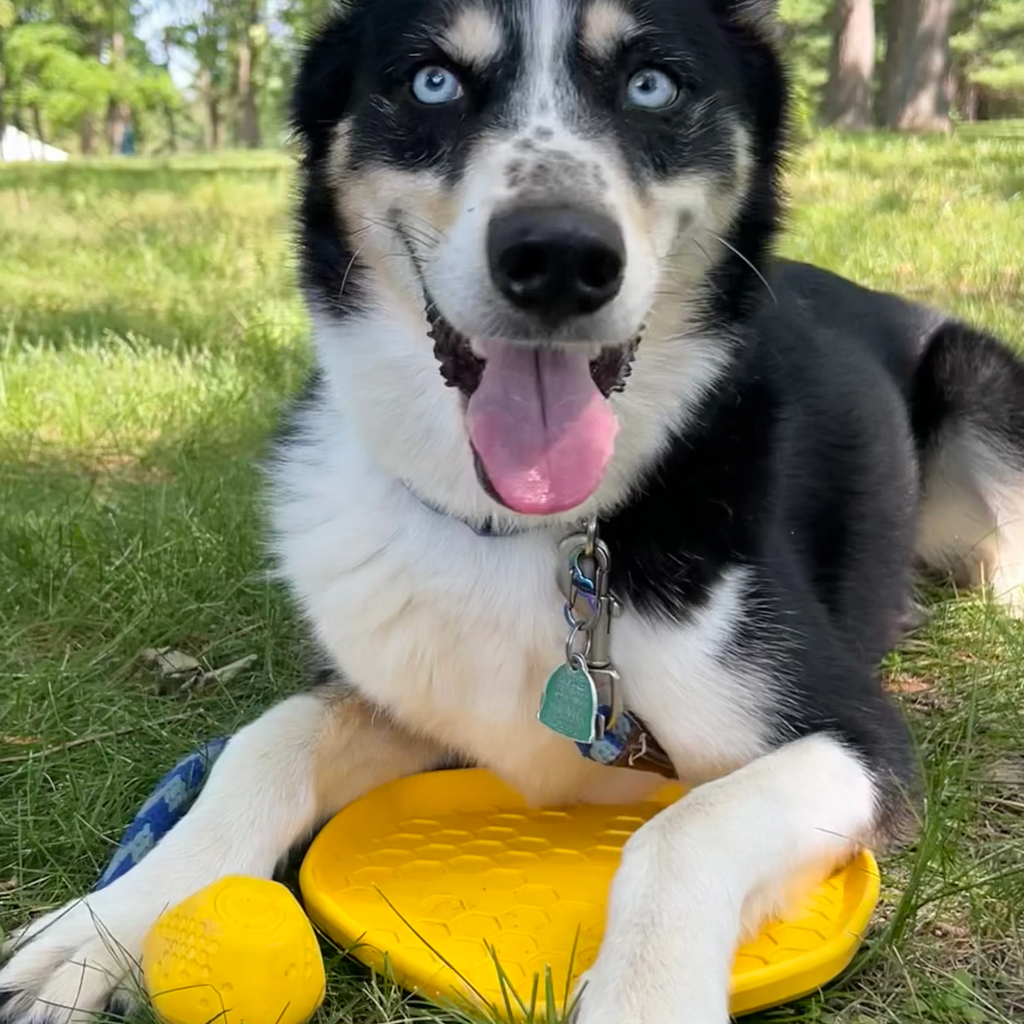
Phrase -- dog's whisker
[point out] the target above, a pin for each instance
(348, 270)
(417, 233)
(760, 276)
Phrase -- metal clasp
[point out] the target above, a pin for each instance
(590, 606)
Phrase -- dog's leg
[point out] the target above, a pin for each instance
(276, 780)
(709, 869)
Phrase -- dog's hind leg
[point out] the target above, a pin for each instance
(968, 413)
(276, 781)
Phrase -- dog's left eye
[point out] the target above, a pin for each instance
(651, 89)
(434, 85)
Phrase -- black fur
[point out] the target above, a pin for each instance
(969, 379)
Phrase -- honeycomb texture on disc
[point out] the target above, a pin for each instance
(240, 951)
(455, 863)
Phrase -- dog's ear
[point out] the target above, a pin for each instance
(323, 85)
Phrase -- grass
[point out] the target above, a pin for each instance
(150, 333)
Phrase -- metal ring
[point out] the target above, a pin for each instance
(591, 535)
(580, 625)
(579, 578)
(570, 650)
(570, 620)
(578, 662)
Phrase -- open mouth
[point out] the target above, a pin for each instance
(462, 368)
(540, 424)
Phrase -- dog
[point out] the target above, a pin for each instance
(536, 241)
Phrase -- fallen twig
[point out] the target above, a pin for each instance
(95, 737)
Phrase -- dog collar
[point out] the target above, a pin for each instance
(487, 528)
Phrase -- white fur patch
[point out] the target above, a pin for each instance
(606, 26)
(711, 868)
(972, 517)
(474, 37)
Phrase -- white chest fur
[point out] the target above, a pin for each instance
(455, 634)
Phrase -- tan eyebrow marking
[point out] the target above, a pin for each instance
(474, 37)
(606, 25)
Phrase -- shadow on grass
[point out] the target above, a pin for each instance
(271, 342)
(143, 175)
(175, 326)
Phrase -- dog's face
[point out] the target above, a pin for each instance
(526, 196)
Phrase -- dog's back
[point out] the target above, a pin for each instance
(965, 399)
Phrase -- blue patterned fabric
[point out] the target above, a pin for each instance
(610, 748)
(173, 796)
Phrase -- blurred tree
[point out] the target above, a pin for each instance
(249, 36)
(49, 80)
(208, 40)
(848, 96)
(72, 64)
(916, 68)
(80, 66)
(227, 42)
(806, 40)
(988, 58)
(6, 21)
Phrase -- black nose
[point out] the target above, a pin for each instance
(557, 262)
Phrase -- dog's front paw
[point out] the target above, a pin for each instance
(78, 960)
(666, 951)
(607, 994)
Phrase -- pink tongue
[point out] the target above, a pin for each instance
(541, 428)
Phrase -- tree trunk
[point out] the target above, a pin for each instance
(214, 133)
(87, 134)
(172, 128)
(118, 111)
(172, 122)
(37, 124)
(3, 86)
(247, 127)
(247, 121)
(848, 94)
(916, 62)
(250, 106)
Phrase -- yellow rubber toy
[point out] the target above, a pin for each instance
(438, 877)
(240, 951)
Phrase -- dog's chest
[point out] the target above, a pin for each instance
(456, 634)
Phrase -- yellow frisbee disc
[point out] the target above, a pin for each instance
(440, 878)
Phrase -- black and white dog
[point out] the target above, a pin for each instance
(536, 241)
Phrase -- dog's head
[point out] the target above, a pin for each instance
(508, 206)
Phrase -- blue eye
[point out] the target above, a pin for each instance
(651, 89)
(434, 85)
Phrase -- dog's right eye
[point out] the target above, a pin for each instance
(433, 85)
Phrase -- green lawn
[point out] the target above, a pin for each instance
(151, 332)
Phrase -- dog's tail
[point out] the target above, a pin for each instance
(967, 408)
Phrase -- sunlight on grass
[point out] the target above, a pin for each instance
(150, 331)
